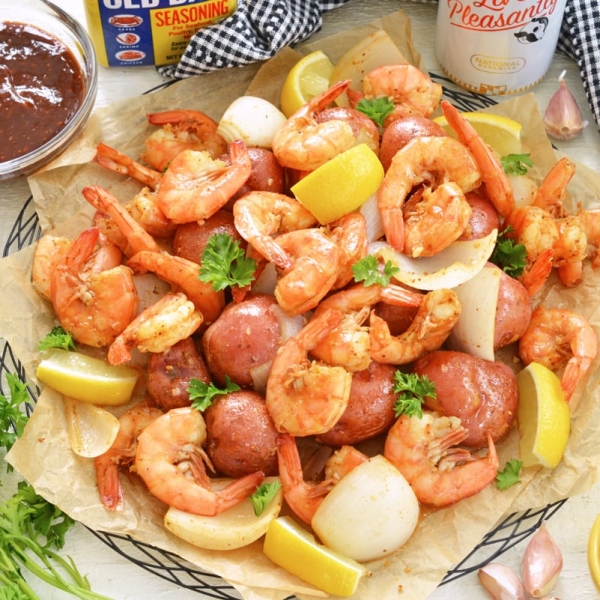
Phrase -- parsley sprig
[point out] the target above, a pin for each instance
(412, 389)
(224, 263)
(376, 109)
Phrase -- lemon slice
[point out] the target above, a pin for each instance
(296, 550)
(501, 133)
(544, 418)
(341, 185)
(306, 79)
(86, 378)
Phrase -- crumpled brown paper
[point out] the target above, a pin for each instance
(43, 454)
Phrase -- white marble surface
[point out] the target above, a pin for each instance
(118, 578)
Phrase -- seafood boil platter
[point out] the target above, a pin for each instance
(141, 519)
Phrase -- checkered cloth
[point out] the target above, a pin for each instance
(260, 28)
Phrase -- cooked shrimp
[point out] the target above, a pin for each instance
(169, 320)
(112, 159)
(50, 250)
(195, 186)
(258, 216)
(411, 90)
(432, 161)
(304, 397)
(304, 497)
(350, 234)
(437, 315)
(348, 345)
(181, 130)
(305, 144)
(182, 274)
(424, 451)
(497, 186)
(136, 236)
(172, 463)
(557, 338)
(94, 303)
(122, 453)
(551, 191)
(314, 264)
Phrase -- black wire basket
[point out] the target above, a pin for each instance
(509, 532)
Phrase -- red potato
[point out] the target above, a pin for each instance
(245, 336)
(401, 131)
(484, 217)
(170, 373)
(241, 437)
(483, 394)
(513, 311)
(370, 409)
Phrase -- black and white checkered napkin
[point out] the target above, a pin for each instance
(260, 28)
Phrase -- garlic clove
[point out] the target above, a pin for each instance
(542, 563)
(501, 583)
(563, 119)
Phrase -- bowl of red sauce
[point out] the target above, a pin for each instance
(48, 84)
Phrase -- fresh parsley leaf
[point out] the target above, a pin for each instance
(202, 394)
(224, 263)
(516, 164)
(12, 418)
(263, 496)
(508, 255)
(368, 270)
(57, 338)
(376, 109)
(412, 390)
(509, 475)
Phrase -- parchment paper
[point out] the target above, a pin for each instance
(43, 455)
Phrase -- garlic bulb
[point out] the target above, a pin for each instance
(563, 119)
(501, 583)
(542, 563)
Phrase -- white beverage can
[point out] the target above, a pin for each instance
(497, 47)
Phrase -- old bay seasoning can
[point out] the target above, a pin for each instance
(497, 47)
(149, 32)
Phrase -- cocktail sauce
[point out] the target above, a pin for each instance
(41, 88)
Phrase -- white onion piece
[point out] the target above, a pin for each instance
(370, 513)
(475, 328)
(370, 211)
(266, 281)
(92, 429)
(252, 120)
(458, 263)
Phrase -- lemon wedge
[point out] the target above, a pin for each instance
(544, 418)
(306, 79)
(296, 550)
(86, 378)
(341, 185)
(501, 133)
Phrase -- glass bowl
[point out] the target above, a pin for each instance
(52, 20)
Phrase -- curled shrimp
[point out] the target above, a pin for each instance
(497, 186)
(122, 453)
(181, 130)
(111, 158)
(438, 313)
(305, 497)
(304, 397)
(169, 320)
(348, 345)
(258, 216)
(424, 449)
(136, 238)
(94, 300)
(556, 338)
(195, 186)
(432, 161)
(412, 91)
(172, 463)
(182, 274)
(50, 251)
(305, 144)
(314, 264)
